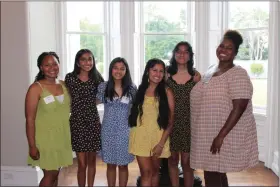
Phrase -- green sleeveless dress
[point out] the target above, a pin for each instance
(52, 132)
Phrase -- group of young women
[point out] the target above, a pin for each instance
(208, 122)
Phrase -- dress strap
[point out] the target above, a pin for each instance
(40, 85)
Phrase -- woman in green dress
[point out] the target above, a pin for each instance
(47, 110)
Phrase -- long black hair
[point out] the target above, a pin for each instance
(173, 68)
(93, 73)
(40, 60)
(126, 81)
(160, 93)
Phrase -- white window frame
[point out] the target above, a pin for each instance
(140, 33)
(261, 110)
(110, 33)
(204, 24)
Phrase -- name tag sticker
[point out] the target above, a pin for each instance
(125, 100)
(49, 99)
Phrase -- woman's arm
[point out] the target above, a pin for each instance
(239, 106)
(197, 76)
(31, 103)
(100, 93)
(158, 148)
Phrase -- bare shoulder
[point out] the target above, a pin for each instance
(196, 72)
(34, 90)
(197, 76)
(62, 82)
(34, 87)
(169, 92)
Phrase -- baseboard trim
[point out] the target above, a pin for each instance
(275, 166)
(20, 176)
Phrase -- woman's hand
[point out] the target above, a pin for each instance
(34, 153)
(197, 76)
(157, 150)
(216, 144)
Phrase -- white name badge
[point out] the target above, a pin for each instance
(209, 73)
(49, 99)
(125, 100)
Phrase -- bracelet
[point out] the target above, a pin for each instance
(161, 146)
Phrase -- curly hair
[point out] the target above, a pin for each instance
(235, 37)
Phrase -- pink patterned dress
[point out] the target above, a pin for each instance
(211, 104)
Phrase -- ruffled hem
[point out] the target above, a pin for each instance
(53, 160)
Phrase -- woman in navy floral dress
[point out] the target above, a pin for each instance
(117, 95)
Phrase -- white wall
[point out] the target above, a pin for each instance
(14, 82)
(22, 40)
(42, 31)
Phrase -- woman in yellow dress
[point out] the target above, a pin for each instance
(151, 122)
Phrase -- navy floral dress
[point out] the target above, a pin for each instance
(115, 128)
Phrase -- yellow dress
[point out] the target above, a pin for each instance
(146, 135)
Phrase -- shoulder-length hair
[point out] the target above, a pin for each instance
(173, 68)
(126, 81)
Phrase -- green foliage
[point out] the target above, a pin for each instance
(92, 42)
(255, 45)
(257, 69)
(161, 46)
(100, 67)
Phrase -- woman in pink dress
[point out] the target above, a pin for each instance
(223, 130)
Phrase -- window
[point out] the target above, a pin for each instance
(154, 28)
(251, 19)
(87, 26)
(160, 28)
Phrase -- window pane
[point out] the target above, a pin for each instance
(253, 56)
(85, 16)
(75, 42)
(248, 14)
(165, 17)
(161, 46)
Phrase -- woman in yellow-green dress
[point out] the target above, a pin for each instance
(47, 110)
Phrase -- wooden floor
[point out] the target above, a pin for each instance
(258, 176)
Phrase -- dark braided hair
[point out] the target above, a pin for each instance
(40, 60)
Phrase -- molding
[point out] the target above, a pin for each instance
(273, 90)
(202, 35)
(261, 132)
(20, 176)
(275, 164)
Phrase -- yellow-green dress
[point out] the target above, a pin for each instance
(52, 132)
(146, 135)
